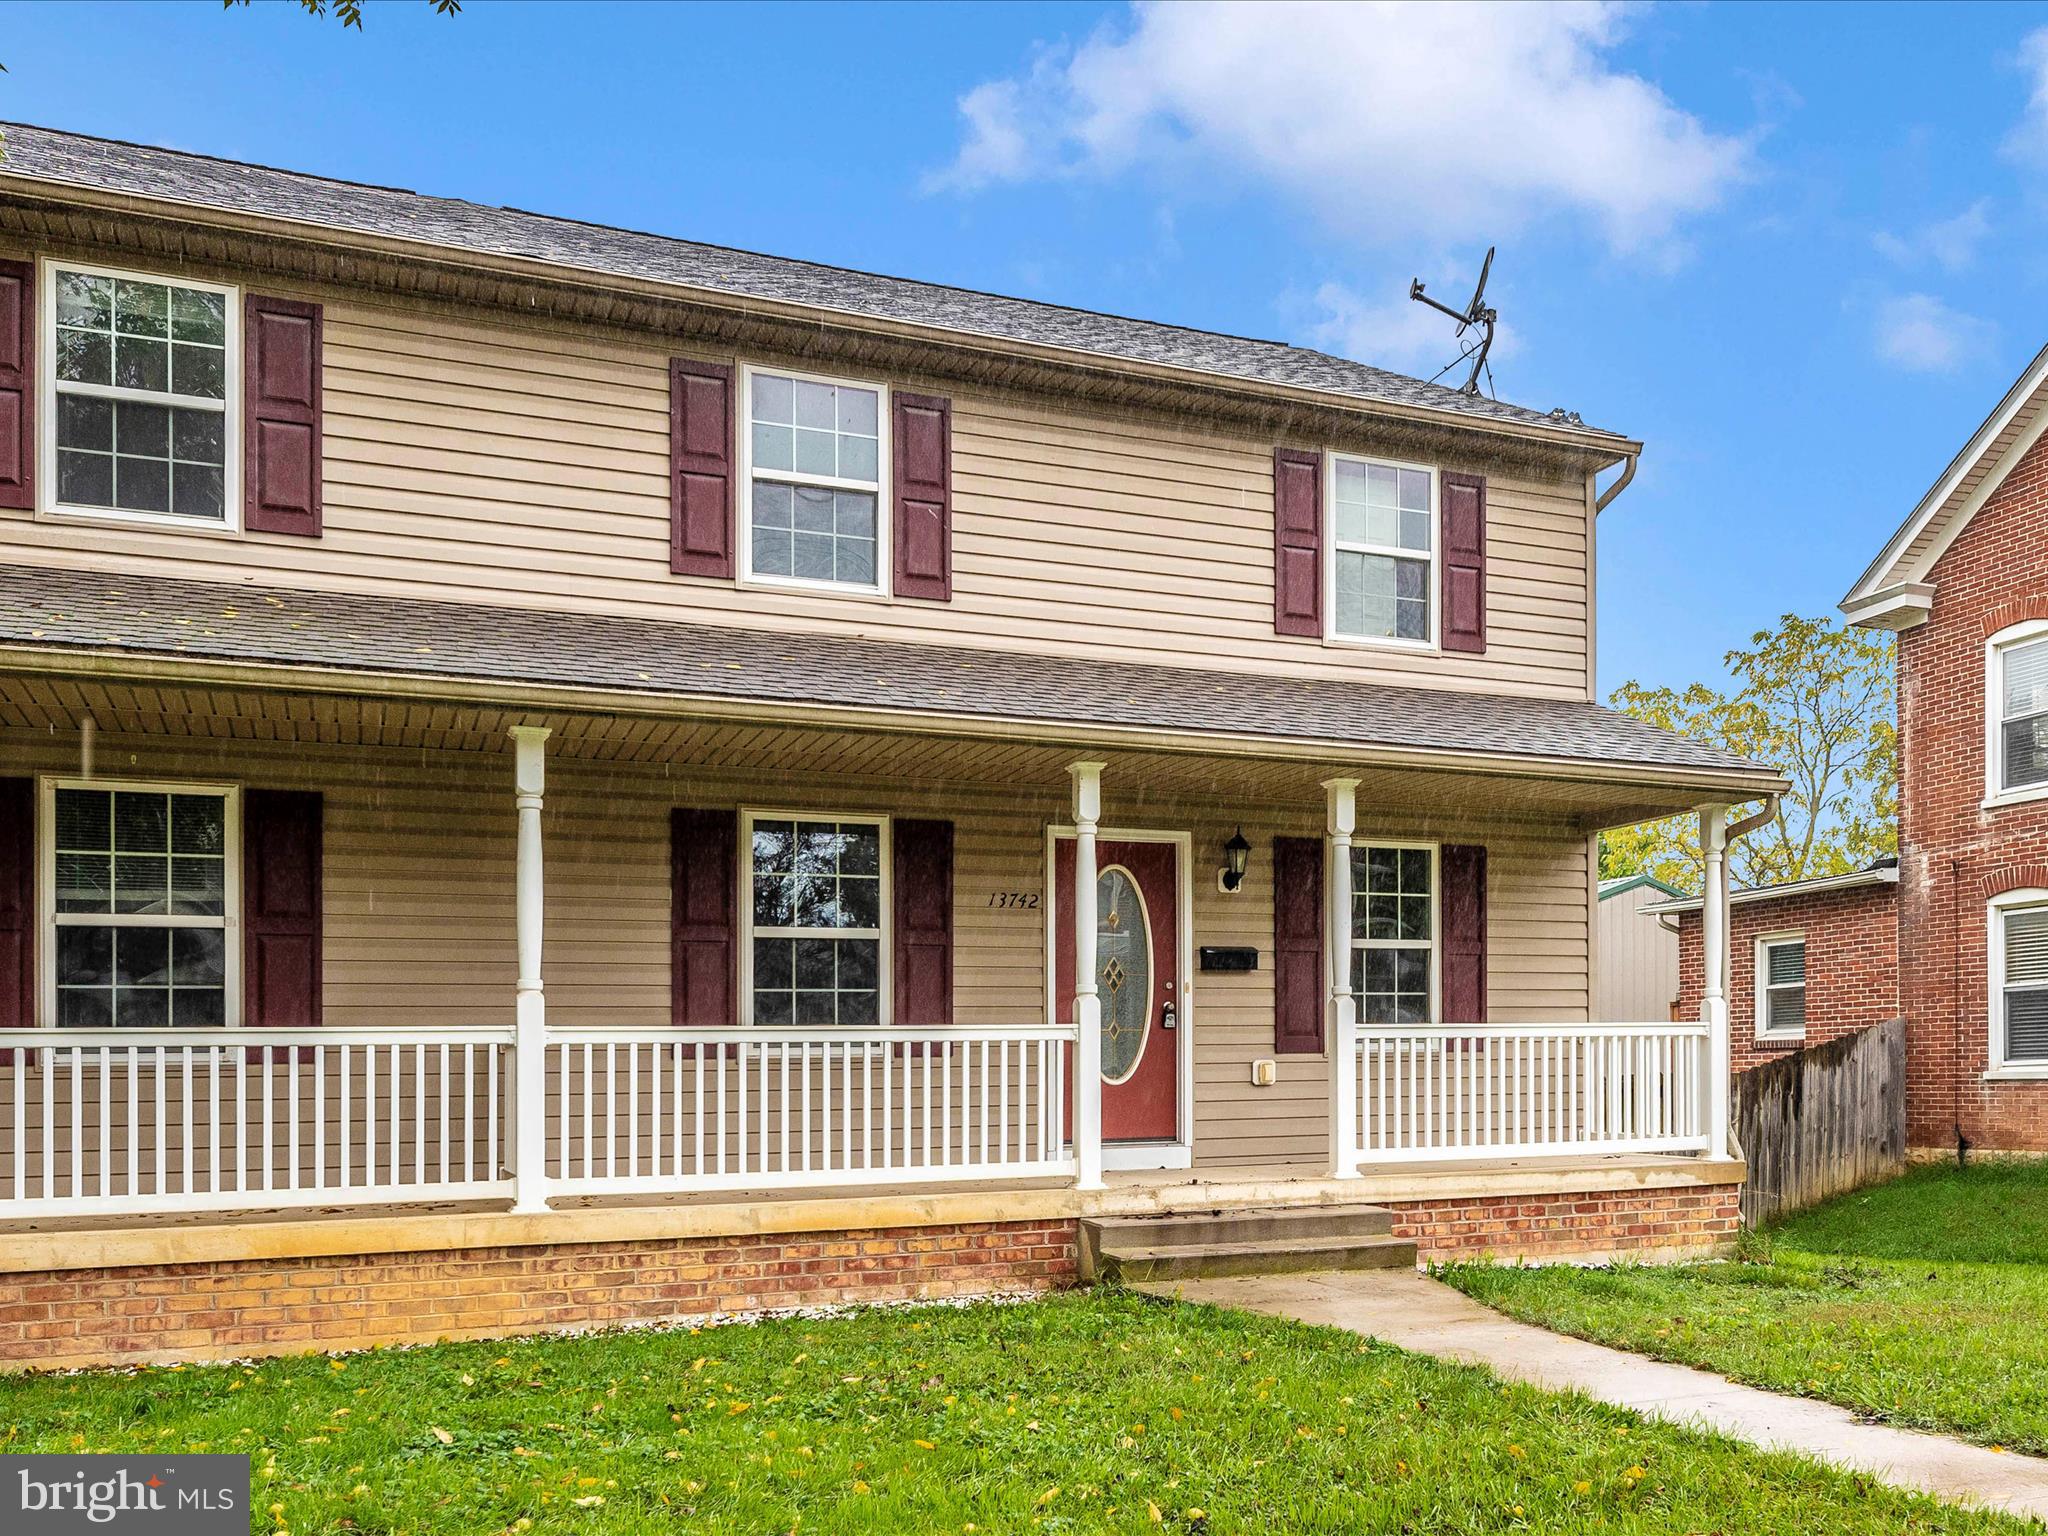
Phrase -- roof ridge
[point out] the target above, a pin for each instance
(59, 157)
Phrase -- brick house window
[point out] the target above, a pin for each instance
(2019, 981)
(2016, 711)
(1781, 987)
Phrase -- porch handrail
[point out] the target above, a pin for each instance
(649, 1110)
(1440, 1092)
(122, 1120)
(133, 1120)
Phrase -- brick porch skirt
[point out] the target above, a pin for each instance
(230, 1308)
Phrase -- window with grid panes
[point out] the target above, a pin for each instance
(140, 390)
(816, 923)
(1393, 933)
(140, 906)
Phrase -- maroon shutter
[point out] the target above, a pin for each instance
(17, 383)
(1464, 559)
(704, 918)
(281, 908)
(700, 537)
(1300, 988)
(17, 905)
(1463, 869)
(281, 438)
(922, 875)
(1297, 542)
(921, 456)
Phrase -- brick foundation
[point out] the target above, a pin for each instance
(1644, 1223)
(274, 1306)
(288, 1306)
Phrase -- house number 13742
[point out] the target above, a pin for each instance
(1027, 900)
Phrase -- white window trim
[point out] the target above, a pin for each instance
(884, 508)
(1994, 976)
(1432, 583)
(884, 935)
(47, 505)
(1361, 841)
(46, 889)
(1764, 944)
(1995, 793)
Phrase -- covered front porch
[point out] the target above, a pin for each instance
(503, 934)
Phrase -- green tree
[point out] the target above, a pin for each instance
(1812, 697)
(350, 12)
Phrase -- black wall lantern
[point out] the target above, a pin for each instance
(1236, 855)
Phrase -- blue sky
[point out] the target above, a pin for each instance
(1798, 251)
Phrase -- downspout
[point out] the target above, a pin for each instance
(1716, 837)
(1628, 473)
(1761, 817)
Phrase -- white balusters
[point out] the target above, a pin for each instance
(1458, 1090)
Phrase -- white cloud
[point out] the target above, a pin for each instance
(1396, 333)
(1950, 244)
(1393, 121)
(2028, 141)
(1919, 333)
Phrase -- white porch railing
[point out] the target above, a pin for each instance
(653, 1110)
(130, 1121)
(1530, 1090)
(134, 1120)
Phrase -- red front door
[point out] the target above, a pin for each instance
(1137, 978)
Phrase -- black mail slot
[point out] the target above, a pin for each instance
(1217, 957)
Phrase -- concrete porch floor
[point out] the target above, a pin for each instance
(80, 1242)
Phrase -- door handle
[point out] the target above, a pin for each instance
(1168, 1018)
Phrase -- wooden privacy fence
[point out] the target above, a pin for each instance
(1822, 1121)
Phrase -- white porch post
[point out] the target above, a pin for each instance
(1341, 820)
(1714, 966)
(529, 1072)
(1087, 779)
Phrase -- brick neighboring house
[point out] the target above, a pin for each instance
(1964, 585)
(1809, 961)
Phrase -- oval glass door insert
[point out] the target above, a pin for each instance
(1123, 971)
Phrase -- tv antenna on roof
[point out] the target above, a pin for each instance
(1476, 317)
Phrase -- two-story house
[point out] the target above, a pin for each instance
(1964, 584)
(551, 774)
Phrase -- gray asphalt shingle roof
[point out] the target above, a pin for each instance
(169, 616)
(46, 154)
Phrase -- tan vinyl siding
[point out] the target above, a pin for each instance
(1635, 975)
(418, 900)
(514, 462)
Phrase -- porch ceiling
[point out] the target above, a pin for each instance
(42, 704)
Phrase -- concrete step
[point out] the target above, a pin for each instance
(1241, 1241)
(1200, 1261)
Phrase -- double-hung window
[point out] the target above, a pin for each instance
(815, 464)
(1393, 933)
(2019, 981)
(817, 899)
(139, 411)
(2016, 746)
(1383, 551)
(1781, 987)
(141, 885)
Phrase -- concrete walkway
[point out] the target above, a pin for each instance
(1424, 1315)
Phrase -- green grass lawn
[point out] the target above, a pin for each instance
(1923, 1302)
(1087, 1412)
